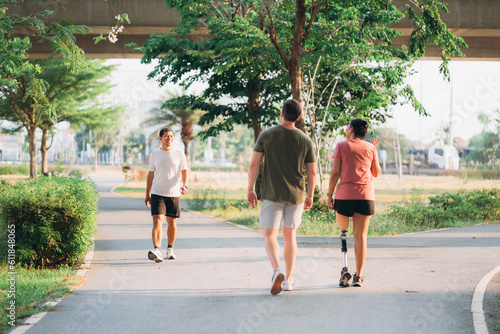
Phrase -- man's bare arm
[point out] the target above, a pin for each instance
(185, 178)
(149, 185)
(253, 173)
(311, 184)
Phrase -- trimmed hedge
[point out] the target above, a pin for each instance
(53, 219)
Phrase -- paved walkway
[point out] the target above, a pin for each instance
(416, 283)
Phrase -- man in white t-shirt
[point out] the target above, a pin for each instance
(163, 191)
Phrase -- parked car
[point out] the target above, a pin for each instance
(444, 157)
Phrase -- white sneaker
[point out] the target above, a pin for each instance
(287, 286)
(278, 278)
(155, 255)
(170, 253)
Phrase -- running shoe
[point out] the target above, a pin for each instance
(278, 278)
(287, 286)
(345, 277)
(155, 255)
(170, 253)
(357, 281)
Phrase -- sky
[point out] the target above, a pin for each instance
(474, 87)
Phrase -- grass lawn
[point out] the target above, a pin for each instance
(32, 286)
(223, 195)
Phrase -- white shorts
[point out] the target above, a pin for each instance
(273, 214)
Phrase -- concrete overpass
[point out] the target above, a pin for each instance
(476, 21)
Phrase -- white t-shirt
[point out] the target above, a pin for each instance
(167, 166)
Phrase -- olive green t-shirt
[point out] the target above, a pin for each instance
(286, 151)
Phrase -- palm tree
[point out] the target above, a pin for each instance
(485, 120)
(175, 111)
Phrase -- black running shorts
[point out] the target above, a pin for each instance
(168, 206)
(347, 207)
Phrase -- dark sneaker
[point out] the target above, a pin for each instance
(155, 255)
(357, 281)
(278, 278)
(345, 277)
(170, 253)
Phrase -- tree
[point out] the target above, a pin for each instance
(250, 35)
(74, 97)
(22, 91)
(104, 124)
(336, 57)
(487, 144)
(485, 120)
(231, 63)
(173, 112)
(134, 143)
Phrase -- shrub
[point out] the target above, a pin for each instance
(443, 210)
(125, 171)
(54, 218)
(478, 204)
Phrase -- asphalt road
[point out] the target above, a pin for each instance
(220, 281)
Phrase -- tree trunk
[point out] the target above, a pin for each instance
(43, 150)
(95, 156)
(119, 150)
(296, 57)
(186, 151)
(253, 88)
(186, 136)
(32, 146)
(253, 91)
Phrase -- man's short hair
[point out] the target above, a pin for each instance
(165, 130)
(292, 109)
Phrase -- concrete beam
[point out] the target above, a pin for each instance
(476, 21)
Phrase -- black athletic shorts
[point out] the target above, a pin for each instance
(168, 206)
(347, 207)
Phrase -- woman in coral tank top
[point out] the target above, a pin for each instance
(355, 162)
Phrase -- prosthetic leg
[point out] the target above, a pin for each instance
(345, 275)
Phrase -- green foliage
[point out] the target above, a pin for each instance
(126, 171)
(446, 209)
(54, 220)
(23, 97)
(134, 143)
(486, 148)
(216, 203)
(239, 62)
(318, 220)
(350, 67)
(75, 98)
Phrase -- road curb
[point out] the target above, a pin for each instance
(26, 324)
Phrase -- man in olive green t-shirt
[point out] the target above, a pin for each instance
(287, 150)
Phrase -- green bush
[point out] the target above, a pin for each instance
(446, 209)
(14, 169)
(54, 220)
